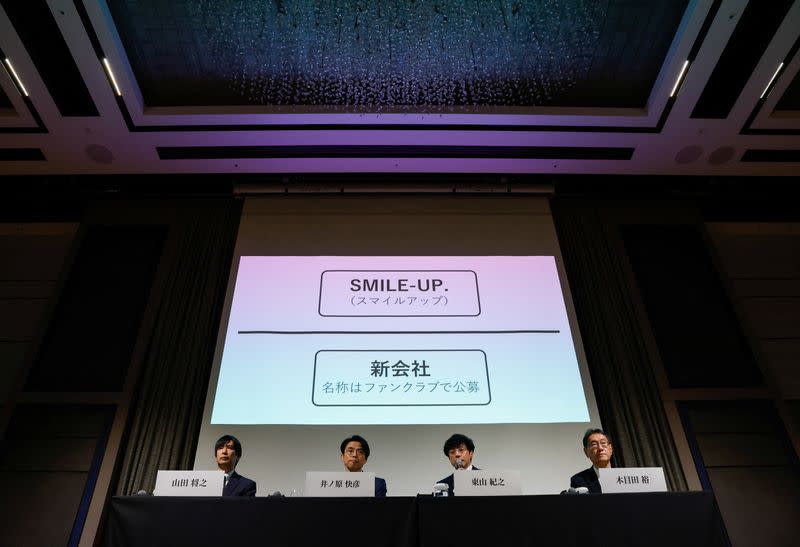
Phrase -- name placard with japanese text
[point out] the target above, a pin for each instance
(622, 480)
(487, 483)
(189, 483)
(339, 484)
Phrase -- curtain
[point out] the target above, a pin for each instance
(166, 412)
(628, 398)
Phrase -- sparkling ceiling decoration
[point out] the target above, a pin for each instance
(368, 54)
(405, 53)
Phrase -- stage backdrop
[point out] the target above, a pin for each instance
(402, 320)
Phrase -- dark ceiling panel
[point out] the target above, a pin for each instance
(791, 97)
(628, 55)
(21, 154)
(499, 152)
(760, 155)
(752, 35)
(427, 53)
(36, 27)
(5, 102)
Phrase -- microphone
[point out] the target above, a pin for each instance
(276, 494)
(578, 490)
(459, 463)
(440, 489)
(141, 493)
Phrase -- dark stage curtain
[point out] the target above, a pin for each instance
(627, 394)
(166, 414)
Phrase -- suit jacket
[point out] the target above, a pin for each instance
(380, 487)
(449, 481)
(238, 485)
(587, 478)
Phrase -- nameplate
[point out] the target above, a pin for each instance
(623, 480)
(487, 483)
(189, 483)
(339, 484)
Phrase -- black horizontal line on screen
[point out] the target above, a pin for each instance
(399, 332)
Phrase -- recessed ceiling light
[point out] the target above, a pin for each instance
(16, 77)
(111, 77)
(680, 78)
(767, 89)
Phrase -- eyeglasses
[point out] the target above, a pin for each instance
(354, 452)
(602, 444)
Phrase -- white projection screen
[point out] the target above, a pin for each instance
(404, 320)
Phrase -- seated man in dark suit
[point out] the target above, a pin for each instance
(355, 453)
(227, 452)
(598, 448)
(459, 450)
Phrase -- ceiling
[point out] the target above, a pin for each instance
(628, 87)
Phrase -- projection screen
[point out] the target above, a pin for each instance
(403, 320)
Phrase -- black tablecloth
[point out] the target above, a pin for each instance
(670, 519)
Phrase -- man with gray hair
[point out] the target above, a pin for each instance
(598, 448)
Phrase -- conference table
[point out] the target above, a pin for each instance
(680, 519)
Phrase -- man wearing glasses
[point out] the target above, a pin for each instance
(355, 453)
(598, 448)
